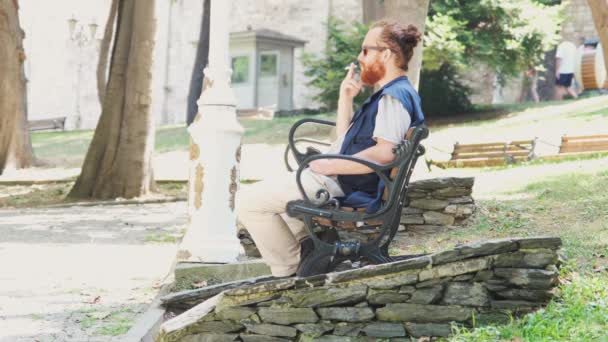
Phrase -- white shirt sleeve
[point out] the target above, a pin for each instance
(392, 120)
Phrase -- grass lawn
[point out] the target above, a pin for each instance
(69, 148)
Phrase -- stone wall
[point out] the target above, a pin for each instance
(434, 205)
(422, 296)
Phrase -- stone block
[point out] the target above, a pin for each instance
(288, 316)
(429, 203)
(455, 268)
(464, 277)
(460, 210)
(334, 338)
(467, 294)
(537, 258)
(218, 327)
(372, 272)
(425, 229)
(378, 297)
(189, 273)
(452, 192)
(476, 249)
(389, 282)
(262, 287)
(483, 275)
(428, 329)
(514, 305)
(412, 219)
(272, 330)
(433, 282)
(407, 289)
(346, 314)
(526, 294)
(384, 330)
(461, 200)
(529, 278)
(446, 182)
(235, 313)
(347, 329)
(540, 242)
(420, 313)
(262, 338)
(327, 296)
(314, 330)
(428, 295)
(411, 211)
(209, 337)
(416, 194)
(437, 218)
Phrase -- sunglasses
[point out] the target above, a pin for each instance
(365, 49)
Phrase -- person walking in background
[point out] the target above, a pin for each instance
(564, 70)
(530, 84)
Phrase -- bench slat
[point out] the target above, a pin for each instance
(457, 145)
(584, 137)
(460, 149)
(583, 148)
(490, 155)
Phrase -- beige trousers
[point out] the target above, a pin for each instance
(261, 209)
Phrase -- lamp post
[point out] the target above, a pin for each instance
(81, 40)
(214, 156)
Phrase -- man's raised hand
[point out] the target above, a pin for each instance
(350, 87)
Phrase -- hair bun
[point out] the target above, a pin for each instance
(411, 35)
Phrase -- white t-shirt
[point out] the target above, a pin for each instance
(566, 51)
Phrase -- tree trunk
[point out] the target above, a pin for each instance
(599, 11)
(410, 12)
(15, 145)
(373, 10)
(104, 51)
(201, 61)
(119, 160)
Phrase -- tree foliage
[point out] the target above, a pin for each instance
(326, 72)
(507, 36)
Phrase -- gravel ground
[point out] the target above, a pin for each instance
(82, 273)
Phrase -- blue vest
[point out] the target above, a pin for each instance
(365, 191)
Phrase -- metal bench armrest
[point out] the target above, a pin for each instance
(291, 146)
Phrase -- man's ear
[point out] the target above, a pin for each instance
(387, 55)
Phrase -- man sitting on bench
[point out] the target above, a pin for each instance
(371, 134)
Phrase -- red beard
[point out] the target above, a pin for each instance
(373, 73)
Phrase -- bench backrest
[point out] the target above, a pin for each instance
(589, 143)
(408, 151)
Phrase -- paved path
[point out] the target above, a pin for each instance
(79, 274)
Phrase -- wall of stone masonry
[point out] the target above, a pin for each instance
(423, 296)
(435, 204)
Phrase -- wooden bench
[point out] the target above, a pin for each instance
(341, 233)
(575, 145)
(47, 124)
(489, 154)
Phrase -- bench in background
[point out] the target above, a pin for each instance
(583, 144)
(47, 124)
(489, 154)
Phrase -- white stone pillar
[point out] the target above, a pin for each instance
(214, 156)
